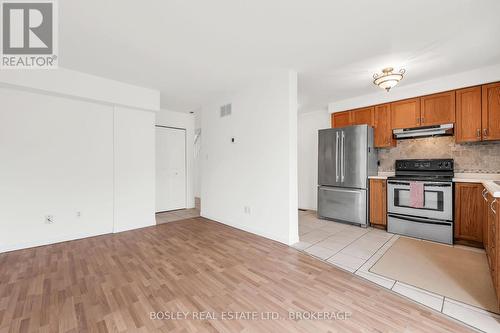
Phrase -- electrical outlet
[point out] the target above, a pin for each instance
(247, 210)
(78, 214)
(49, 219)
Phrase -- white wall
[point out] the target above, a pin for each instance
(187, 122)
(134, 170)
(66, 154)
(308, 126)
(259, 169)
(444, 83)
(57, 159)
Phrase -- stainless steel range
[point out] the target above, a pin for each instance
(432, 219)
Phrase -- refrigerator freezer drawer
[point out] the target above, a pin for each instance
(343, 204)
(433, 230)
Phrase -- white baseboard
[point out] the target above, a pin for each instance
(66, 238)
(283, 240)
(60, 239)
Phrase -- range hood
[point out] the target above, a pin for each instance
(419, 132)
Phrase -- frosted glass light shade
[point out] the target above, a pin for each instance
(388, 79)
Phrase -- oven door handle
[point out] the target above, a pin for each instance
(397, 183)
(425, 184)
(406, 218)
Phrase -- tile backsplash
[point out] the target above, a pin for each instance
(483, 157)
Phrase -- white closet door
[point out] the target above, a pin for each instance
(170, 169)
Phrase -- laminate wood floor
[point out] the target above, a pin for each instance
(112, 283)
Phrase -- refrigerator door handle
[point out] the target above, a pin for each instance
(342, 165)
(337, 157)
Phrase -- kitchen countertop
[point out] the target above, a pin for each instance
(487, 179)
(382, 175)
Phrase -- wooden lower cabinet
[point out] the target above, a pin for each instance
(494, 207)
(492, 248)
(469, 208)
(378, 202)
(493, 240)
(489, 224)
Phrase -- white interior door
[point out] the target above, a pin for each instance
(170, 169)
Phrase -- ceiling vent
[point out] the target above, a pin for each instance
(225, 110)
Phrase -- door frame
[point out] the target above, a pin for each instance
(185, 166)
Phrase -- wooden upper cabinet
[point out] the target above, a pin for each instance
(491, 111)
(406, 113)
(341, 119)
(362, 116)
(383, 128)
(475, 112)
(469, 212)
(437, 109)
(468, 115)
(378, 202)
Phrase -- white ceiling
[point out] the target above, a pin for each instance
(194, 51)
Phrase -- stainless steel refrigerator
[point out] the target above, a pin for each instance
(346, 159)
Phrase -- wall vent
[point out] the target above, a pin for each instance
(225, 110)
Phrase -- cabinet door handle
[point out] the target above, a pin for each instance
(418, 121)
(485, 132)
(422, 120)
(478, 132)
(484, 194)
(491, 206)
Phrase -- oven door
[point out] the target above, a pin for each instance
(438, 200)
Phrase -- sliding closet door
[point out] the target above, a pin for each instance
(170, 169)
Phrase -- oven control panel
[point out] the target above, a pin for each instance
(425, 165)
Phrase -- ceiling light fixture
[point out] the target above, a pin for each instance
(388, 78)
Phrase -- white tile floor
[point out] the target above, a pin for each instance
(356, 250)
(343, 245)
